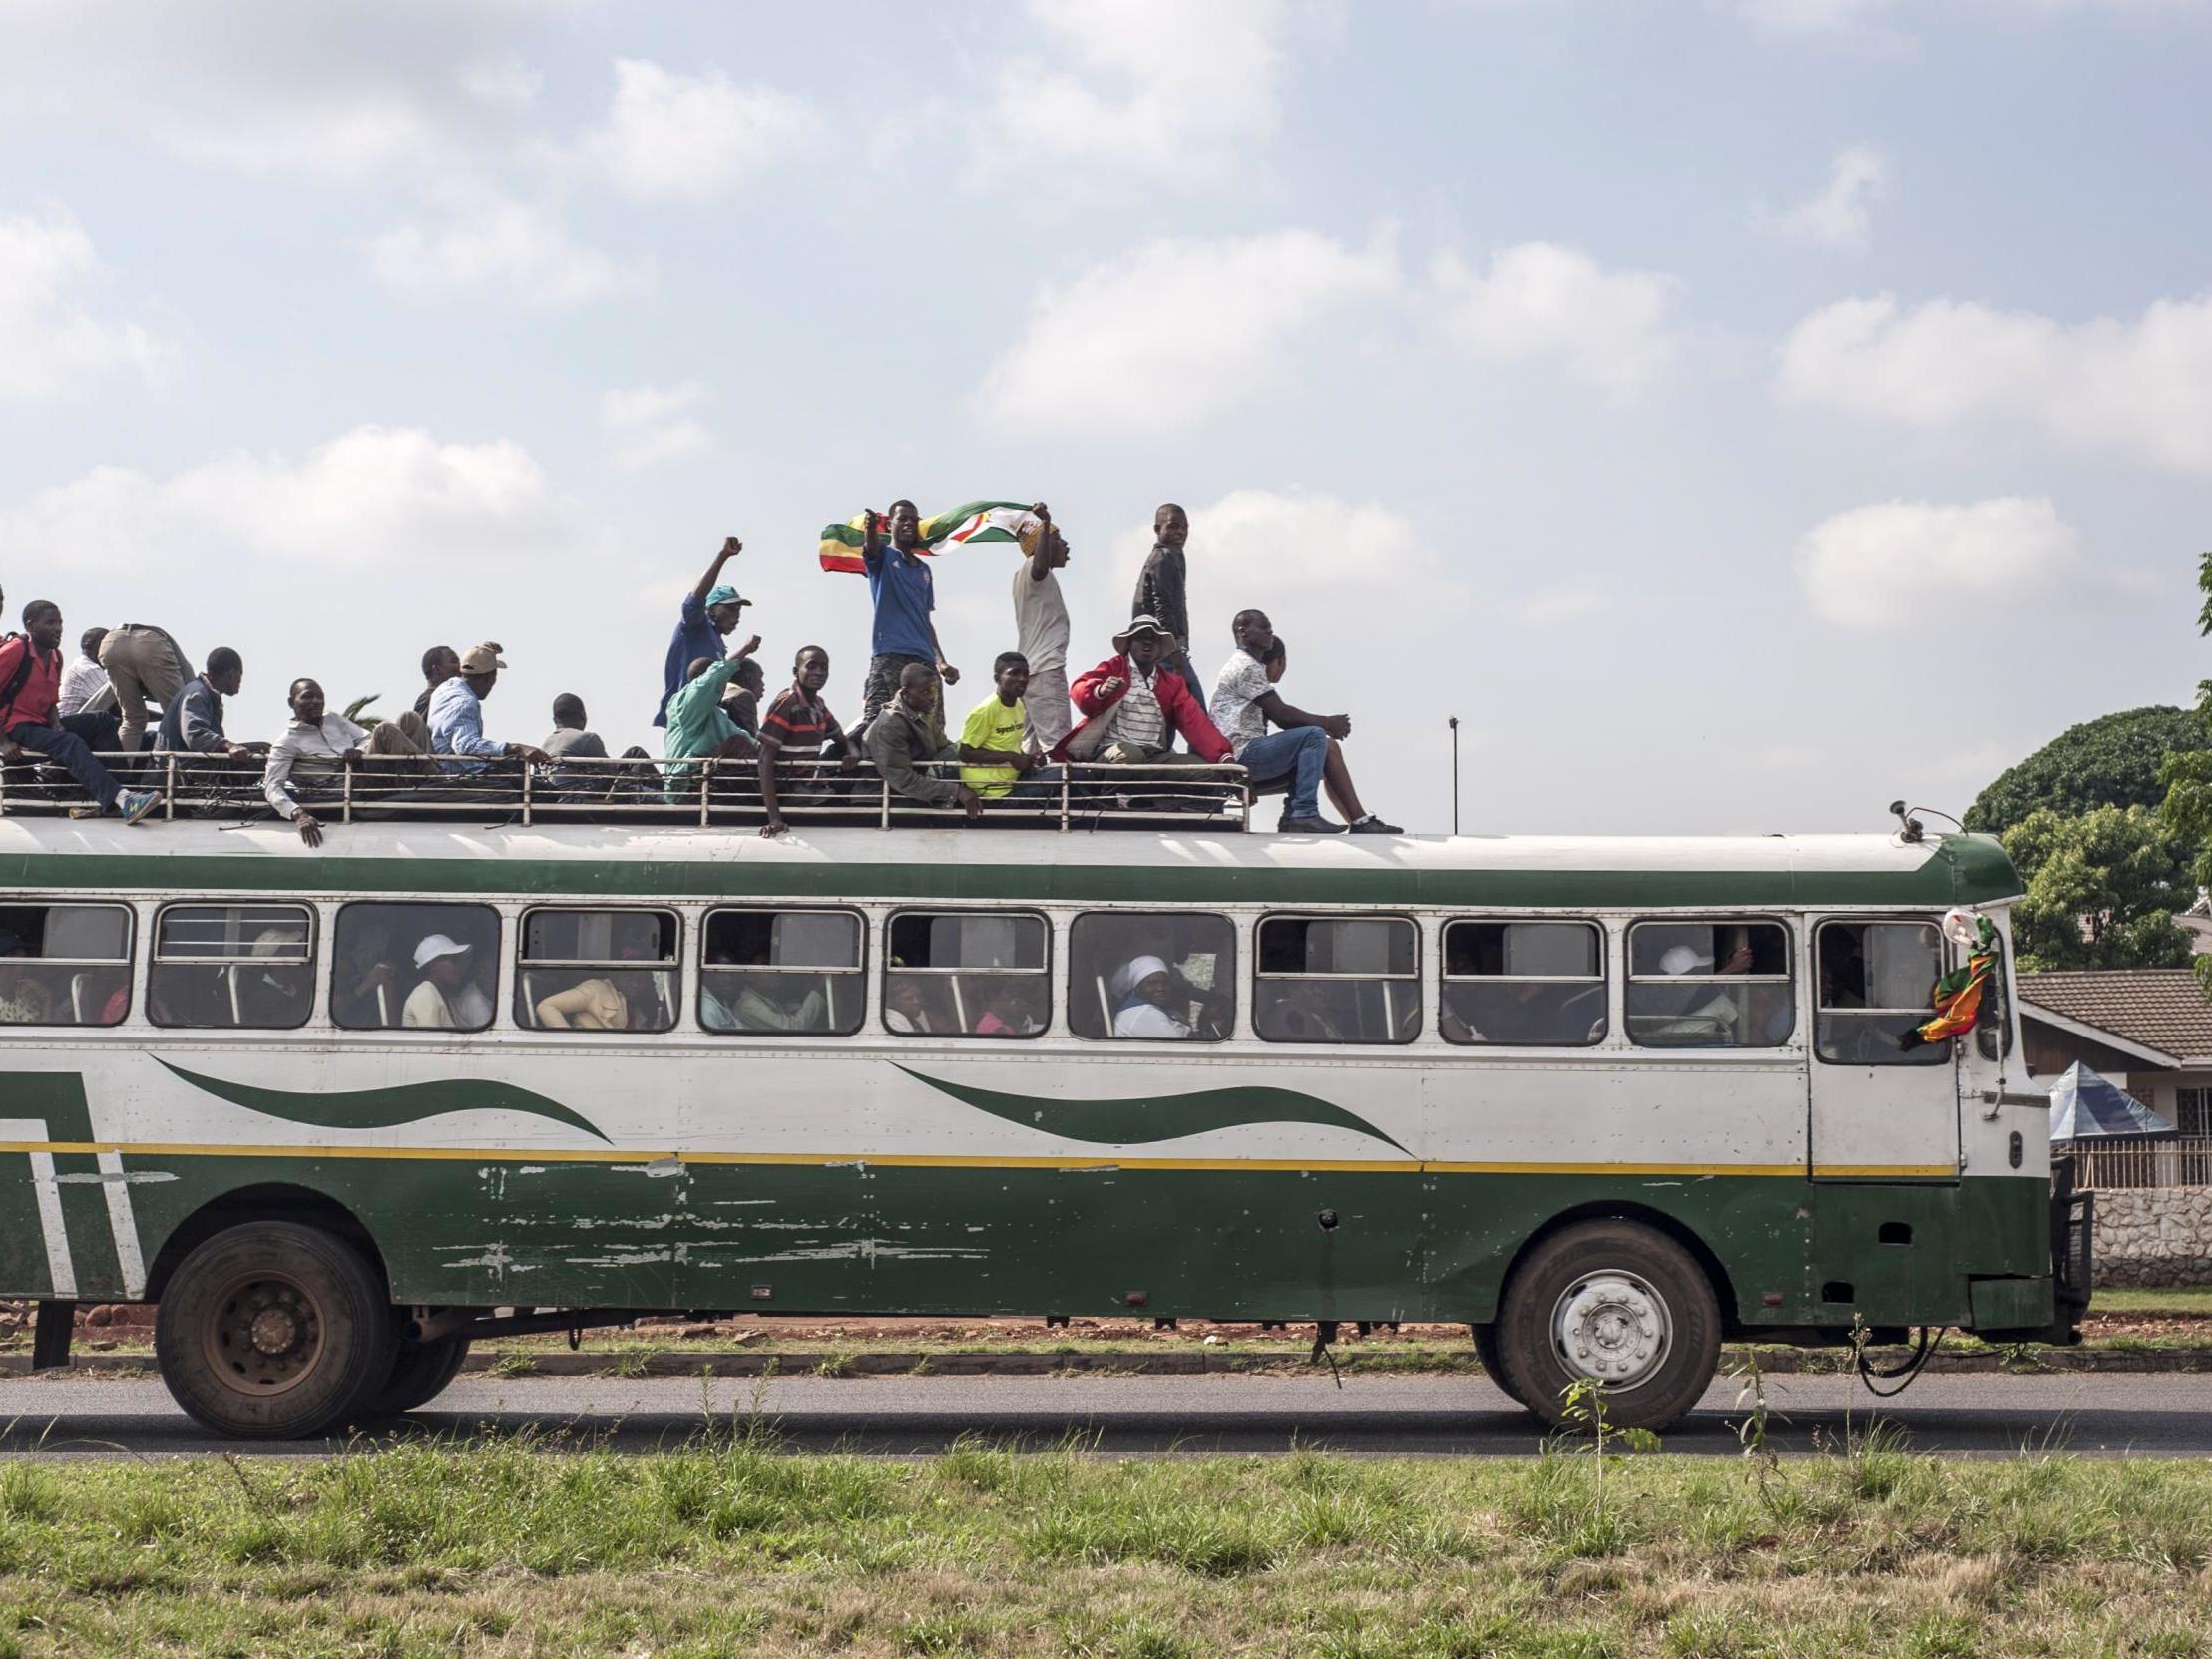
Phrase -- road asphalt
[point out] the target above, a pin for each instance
(59, 1418)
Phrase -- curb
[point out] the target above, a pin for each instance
(744, 1362)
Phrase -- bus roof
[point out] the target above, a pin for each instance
(637, 863)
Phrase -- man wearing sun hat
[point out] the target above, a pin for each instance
(447, 1000)
(1132, 706)
(456, 717)
(710, 614)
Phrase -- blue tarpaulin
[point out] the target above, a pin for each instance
(2083, 1107)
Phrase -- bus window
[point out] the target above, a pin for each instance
(597, 971)
(781, 972)
(1709, 985)
(1337, 980)
(1874, 985)
(1166, 975)
(64, 965)
(967, 974)
(225, 967)
(424, 967)
(1525, 984)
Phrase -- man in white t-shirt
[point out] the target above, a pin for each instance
(84, 678)
(1305, 748)
(1041, 629)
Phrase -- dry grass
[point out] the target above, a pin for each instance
(730, 1545)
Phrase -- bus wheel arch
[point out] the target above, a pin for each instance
(262, 1201)
(1724, 1289)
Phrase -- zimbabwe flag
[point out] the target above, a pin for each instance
(972, 522)
(1958, 995)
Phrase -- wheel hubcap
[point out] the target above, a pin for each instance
(1612, 1326)
(266, 1335)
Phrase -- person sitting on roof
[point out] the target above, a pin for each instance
(192, 722)
(316, 749)
(698, 725)
(903, 739)
(998, 759)
(1305, 750)
(84, 678)
(30, 688)
(798, 731)
(1131, 703)
(456, 717)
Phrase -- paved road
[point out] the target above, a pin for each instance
(2162, 1416)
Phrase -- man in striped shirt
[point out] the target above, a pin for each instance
(799, 727)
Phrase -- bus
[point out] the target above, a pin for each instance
(1606, 1101)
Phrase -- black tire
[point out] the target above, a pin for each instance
(273, 1331)
(1494, 1364)
(1606, 1295)
(420, 1374)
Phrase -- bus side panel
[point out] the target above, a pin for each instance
(1903, 1254)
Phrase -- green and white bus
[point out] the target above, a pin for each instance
(1606, 1101)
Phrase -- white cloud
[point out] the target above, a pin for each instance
(50, 344)
(1567, 602)
(1162, 339)
(348, 136)
(1293, 553)
(389, 499)
(1811, 16)
(507, 82)
(499, 244)
(1837, 216)
(1612, 328)
(2142, 387)
(1166, 87)
(648, 427)
(1903, 563)
(669, 136)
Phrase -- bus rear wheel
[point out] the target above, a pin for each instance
(1492, 1361)
(419, 1375)
(1618, 1304)
(273, 1331)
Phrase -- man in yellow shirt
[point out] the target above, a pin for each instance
(997, 760)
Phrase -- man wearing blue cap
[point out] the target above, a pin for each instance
(712, 611)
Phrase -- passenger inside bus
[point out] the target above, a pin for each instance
(1525, 984)
(1006, 1006)
(911, 1007)
(1149, 1003)
(25, 998)
(365, 976)
(592, 1004)
(448, 998)
(273, 993)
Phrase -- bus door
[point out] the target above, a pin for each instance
(1880, 1112)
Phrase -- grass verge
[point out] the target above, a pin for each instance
(727, 1545)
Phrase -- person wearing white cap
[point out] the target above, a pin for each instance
(1143, 989)
(447, 1000)
(457, 716)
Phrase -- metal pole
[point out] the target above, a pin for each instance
(1454, 722)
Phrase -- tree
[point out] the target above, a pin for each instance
(2112, 761)
(2187, 776)
(2102, 887)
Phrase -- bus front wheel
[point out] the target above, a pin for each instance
(1616, 1304)
(273, 1331)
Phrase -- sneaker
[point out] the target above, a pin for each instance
(1307, 826)
(1372, 825)
(134, 804)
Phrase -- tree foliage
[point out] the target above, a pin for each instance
(2102, 887)
(2112, 761)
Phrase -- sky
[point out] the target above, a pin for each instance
(1737, 413)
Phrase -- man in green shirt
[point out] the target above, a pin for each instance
(996, 754)
(698, 725)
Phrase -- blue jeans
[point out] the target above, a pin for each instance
(70, 745)
(1299, 754)
(1040, 788)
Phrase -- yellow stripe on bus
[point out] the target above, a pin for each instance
(922, 1160)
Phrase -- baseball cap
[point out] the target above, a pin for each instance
(481, 660)
(1680, 958)
(724, 593)
(435, 945)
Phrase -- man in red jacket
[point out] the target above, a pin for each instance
(1131, 704)
(30, 686)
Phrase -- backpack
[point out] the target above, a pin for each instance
(23, 667)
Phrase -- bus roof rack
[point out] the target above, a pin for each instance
(700, 793)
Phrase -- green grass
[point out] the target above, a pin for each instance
(2186, 1302)
(730, 1545)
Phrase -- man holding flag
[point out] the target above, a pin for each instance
(901, 590)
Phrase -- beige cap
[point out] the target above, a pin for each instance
(481, 660)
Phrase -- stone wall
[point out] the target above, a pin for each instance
(2154, 1236)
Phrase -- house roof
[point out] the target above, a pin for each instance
(2159, 1010)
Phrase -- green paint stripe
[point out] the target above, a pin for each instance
(385, 1109)
(1150, 1120)
(1944, 879)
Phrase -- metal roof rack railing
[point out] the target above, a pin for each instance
(705, 792)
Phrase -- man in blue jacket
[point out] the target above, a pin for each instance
(710, 614)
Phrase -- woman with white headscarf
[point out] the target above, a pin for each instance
(1142, 992)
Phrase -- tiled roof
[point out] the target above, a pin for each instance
(2156, 1008)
